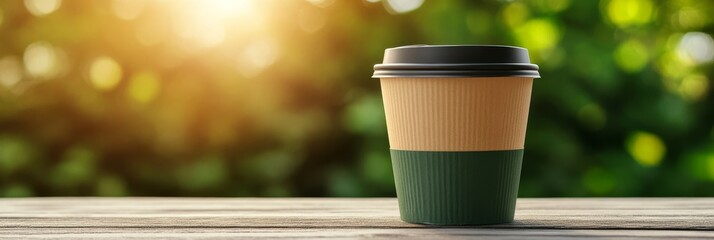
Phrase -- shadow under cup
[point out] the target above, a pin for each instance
(456, 120)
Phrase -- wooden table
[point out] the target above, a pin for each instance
(227, 218)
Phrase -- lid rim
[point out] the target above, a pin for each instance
(454, 73)
(446, 66)
(458, 46)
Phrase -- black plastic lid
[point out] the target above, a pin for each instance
(456, 61)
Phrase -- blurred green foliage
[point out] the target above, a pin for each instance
(274, 98)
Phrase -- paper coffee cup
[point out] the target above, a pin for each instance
(456, 119)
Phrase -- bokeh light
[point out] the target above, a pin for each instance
(626, 13)
(693, 87)
(646, 148)
(515, 14)
(689, 18)
(696, 47)
(538, 35)
(672, 66)
(403, 6)
(41, 60)
(321, 3)
(631, 56)
(105, 73)
(144, 86)
(42, 7)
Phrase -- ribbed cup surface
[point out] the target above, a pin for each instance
(457, 188)
(456, 114)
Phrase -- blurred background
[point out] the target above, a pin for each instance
(274, 98)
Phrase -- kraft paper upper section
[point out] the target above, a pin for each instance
(456, 114)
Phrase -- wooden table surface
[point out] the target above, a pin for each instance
(228, 218)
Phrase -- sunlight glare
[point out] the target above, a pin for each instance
(203, 23)
(226, 8)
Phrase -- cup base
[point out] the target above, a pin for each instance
(457, 188)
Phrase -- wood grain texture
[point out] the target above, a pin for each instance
(219, 218)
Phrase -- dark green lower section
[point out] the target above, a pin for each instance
(457, 188)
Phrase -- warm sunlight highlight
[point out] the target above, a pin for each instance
(203, 24)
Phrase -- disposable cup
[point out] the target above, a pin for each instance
(456, 120)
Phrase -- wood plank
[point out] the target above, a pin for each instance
(222, 218)
(315, 233)
(649, 213)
